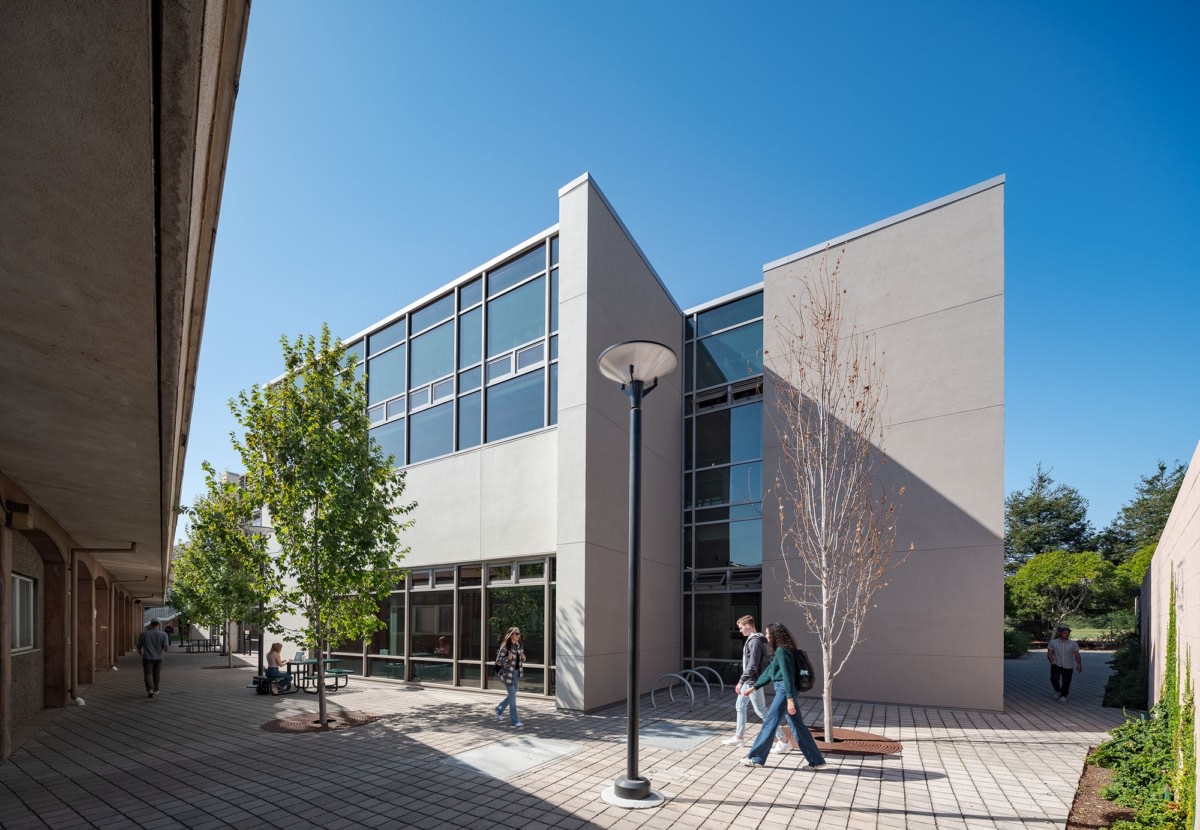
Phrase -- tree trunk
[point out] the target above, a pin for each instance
(827, 692)
(322, 709)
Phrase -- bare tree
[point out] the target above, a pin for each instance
(837, 524)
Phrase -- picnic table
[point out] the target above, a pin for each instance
(203, 644)
(305, 674)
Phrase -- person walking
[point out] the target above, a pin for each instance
(509, 661)
(152, 644)
(782, 672)
(756, 656)
(1064, 656)
(275, 667)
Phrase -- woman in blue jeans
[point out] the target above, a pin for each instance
(509, 660)
(781, 672)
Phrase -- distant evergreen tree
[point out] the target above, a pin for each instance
(1140, 523)
(1045, 517)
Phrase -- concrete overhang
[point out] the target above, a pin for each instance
(115, 120)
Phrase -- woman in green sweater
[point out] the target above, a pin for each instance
(781, 672)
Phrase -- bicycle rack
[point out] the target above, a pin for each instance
(707, 688)
(714, 673)
(682, 676)
(671, 689)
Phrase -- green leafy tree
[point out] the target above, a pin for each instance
(1141, 522)
(1051, 586)
(332, 497)
(218, 572)
(1045, 517)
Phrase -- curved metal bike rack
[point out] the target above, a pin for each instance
(714, 673)
(671, 689)
(707, 688)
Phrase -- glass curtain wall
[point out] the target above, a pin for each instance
(722, 481)
(477, 364)
(442, 625)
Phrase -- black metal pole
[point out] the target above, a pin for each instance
(631, 785)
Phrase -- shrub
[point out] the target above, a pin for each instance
(1128, 686)
(1016, 643)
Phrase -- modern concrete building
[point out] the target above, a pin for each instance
(113, 140)
(487, 392)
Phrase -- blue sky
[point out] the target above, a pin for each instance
(382, 149)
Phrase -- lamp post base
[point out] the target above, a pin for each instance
(634, 789)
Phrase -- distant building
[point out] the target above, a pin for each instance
(486, 391)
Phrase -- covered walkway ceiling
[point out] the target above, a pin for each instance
(114, 133)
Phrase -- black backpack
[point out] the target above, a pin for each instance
(263, 687)
(805, 676)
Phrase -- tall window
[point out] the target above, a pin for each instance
(722, 481)
(23, 613)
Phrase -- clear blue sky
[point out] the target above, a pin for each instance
(382, 149)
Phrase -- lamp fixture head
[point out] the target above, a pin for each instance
(637, 360)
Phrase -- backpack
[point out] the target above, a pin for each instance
(805, 676)
(263, 687)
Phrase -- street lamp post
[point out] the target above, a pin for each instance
(633, 364)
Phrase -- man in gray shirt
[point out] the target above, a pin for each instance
(151, 645)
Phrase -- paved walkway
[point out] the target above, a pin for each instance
(196, 757)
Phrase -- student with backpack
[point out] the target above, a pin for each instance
(783, 673)
(756, 656)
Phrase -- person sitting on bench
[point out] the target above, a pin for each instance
(275, 667)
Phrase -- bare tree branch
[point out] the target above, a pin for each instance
(837, 525)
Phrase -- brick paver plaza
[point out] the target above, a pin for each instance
(197, 757)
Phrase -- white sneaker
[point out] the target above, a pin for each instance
(780, 748)
(518, 725)
(735, 741)
(815, 767)
(499, 718)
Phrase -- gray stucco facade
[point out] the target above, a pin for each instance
(928, 283)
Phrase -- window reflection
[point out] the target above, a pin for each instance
(739, 311)
(518, 269)
(432, 355)
(385, 375)
(517, 317)
(732, 545)
(522, 607)
(391, 440)
(431, 432)
(730, 356)
(515, 406)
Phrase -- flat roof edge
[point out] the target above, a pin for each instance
(892, 220)
(730, 297)
(437, 292)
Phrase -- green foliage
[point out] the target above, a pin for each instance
(1128, 685)
(1154, 758)
(1016, 643)
(1044, 518)
(332, 498)
(1051, 586)
(1140, 523)
(218, 570)
(1185, 750)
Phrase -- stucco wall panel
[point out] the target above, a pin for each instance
(624, 301)
(492, 502)
(930, 288)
